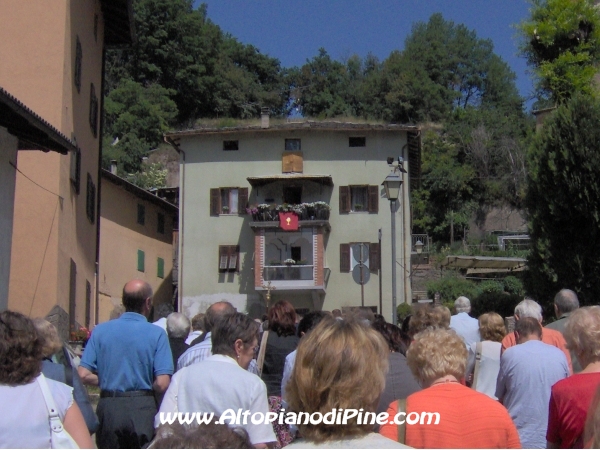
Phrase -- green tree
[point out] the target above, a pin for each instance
(561, 41)
(563, 203)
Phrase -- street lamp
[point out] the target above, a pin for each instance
(419, 247)
(392, 184)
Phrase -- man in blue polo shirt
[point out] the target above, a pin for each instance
(130, 359)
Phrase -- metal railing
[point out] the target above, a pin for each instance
(291, 272)
(424, 238)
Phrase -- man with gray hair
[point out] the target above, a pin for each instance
(531, 308)
(465, 326)
(565, 302)
(178, 328)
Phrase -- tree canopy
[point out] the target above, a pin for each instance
(563, 202)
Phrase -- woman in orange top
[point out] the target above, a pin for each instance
(467, 418)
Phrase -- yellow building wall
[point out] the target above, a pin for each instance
(120, 239)
(37, 47)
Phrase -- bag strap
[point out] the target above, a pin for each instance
(401, 426)
(260, 361)
(55, 422)
(478, 351)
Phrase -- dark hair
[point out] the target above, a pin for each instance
(528, 326)
(212, 435)
(164, 309)
(392, 335)
(20, 349)
(134, 300)
(282, 318)
(198, 322)
(216, 312)
(231, 328)
(311, 320)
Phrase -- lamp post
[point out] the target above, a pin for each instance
(419, 249)
(392, 184)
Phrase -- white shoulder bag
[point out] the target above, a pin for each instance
(60, 438)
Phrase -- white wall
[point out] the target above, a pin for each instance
(8, 153)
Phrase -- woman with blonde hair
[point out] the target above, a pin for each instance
(466, 418)
(483, 364)
(339, 365)
(571, 397)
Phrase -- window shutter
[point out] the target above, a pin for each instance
(374, 257)
(141, 261)
(160, 268)
(223, 257)
(345, 258)
(344, 199)
(215, 202)
(242, 200)
(374, 199)
(292, 162)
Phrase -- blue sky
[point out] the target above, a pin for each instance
(293, 31)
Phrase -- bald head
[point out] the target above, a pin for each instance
(135, 294)
(215, 312)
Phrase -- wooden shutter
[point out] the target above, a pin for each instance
(242, 200)
(292, 162)
(88, 303)
(344, 199)
(374, 199)
(344, 258)
(215, 202)
(141, 261)
(72, 294)
(160, 268)
(374, 257)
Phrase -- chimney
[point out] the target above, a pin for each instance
(264, 117)
(113, 166)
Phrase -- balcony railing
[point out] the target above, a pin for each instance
(305, 211)
(288, 273)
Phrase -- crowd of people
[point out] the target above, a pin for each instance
(532, 387)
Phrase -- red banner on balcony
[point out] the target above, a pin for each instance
(288, 221)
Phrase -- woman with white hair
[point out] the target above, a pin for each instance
(571, 397)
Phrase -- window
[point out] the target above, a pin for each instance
(72, 294)
(141, 266)
(88, 304)
(78, 59)
(292, 195)
(160, 268)
(160, 227)
(229, 258)
(359, 198)
(293, 145)
(230, 145)
(228, 201)
(141, 214)
(93, 111)
(90, 206)
(354, 253)
(357, 142)
(75, 170)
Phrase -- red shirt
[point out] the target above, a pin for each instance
(569, 405)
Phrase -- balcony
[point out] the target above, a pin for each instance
(305, 211)
(289, 275)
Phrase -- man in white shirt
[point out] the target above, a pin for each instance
(465, 326)
(162, 311)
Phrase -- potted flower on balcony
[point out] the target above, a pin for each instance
(289, 262)
(322, 209)
(253, 210)
(358, 207)
(225, 209)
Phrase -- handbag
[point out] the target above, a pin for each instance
(59, 437)
(260, 361)
(478, 352)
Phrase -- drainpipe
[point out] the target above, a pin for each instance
(175, 145)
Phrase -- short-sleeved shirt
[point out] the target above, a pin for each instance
(549, 336)
(527, 373)
(215, 385)
(128, 353)
(569, 404)
(466, 327)
(27, 425)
